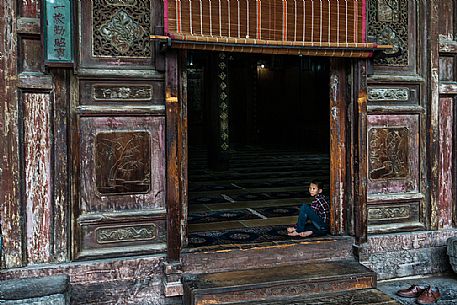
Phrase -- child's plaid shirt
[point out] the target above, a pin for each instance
(321, 207)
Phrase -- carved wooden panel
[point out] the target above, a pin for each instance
(392, 22)
(132, 234)
(114, 93)
(121, 28)
(122, 163)
(116, 32)
(399, 212)
(388, 156)
(393, 94)
(393, 153)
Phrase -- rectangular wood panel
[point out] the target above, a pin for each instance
(131, 92)
(446, 198)
(125, 154)
(393, 154)
(38, 176)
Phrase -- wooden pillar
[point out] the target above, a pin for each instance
(338, 146)
(175, 95)
(11, 221)
(219, 142)
(360, 153)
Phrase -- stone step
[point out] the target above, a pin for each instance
(296, 280)
(351, 297)
(230, 257)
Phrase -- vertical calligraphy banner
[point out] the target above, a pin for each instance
(58, 32)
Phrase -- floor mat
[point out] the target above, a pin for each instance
(218, 216)
(255, 200)
(240, 236)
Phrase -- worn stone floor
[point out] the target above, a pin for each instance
(446, 283)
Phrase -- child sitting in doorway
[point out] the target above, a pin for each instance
(318, 213)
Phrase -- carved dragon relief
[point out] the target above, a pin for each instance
(125, 233)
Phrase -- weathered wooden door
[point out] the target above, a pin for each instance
(118, 120)
(396, 126)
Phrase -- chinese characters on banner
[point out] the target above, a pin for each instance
(58, 37)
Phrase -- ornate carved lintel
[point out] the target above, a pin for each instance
(125, 233)
(388, 94)
(121, 93)
(389, 213)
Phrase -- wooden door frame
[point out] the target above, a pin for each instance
(338, 148)
(348, 160)
(348, 148)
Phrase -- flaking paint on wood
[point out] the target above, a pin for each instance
(433, 84)
(61, 181)
(337, 146)
(38, 176)
(30, 8)
(446, 156)
(10, 219)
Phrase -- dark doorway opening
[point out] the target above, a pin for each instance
(258, 133)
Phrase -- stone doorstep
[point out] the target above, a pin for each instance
(223, 258)
(359, 296)
(276, 282)
(30, 288)
(452, 252)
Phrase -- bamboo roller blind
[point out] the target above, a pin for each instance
(323, 27)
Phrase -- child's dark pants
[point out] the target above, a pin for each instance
(307, 213)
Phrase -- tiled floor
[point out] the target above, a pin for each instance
(263, 188)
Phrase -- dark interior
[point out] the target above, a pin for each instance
(275, 101)
(278, 142)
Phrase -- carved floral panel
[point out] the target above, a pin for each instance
(122, 162)
(121, 28)
(393, 153)
(388, 24)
